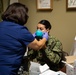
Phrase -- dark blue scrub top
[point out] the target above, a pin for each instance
(13, 41)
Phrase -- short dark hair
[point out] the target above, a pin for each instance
(17, 13)
(46, 23)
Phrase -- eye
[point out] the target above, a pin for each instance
(41, 29)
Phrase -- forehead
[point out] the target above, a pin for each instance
(41, 25)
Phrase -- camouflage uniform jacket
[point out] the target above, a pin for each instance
(52, 55)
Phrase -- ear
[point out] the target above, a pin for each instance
(48, 30)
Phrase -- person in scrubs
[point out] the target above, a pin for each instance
(15, 38)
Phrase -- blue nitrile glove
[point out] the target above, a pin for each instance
(34, 34)
(45, 35)
(38, 33)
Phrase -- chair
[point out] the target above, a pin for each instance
(64, 68)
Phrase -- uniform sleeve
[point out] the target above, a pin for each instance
(32, 54)
(53, 50)
(25, 36)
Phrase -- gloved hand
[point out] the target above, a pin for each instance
(45, 35)
(38, 33)
(34, 35)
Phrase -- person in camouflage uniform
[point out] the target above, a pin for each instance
(52, 53)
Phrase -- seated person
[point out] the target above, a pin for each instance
(52, 53)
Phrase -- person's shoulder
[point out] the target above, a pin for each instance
(53, 38)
